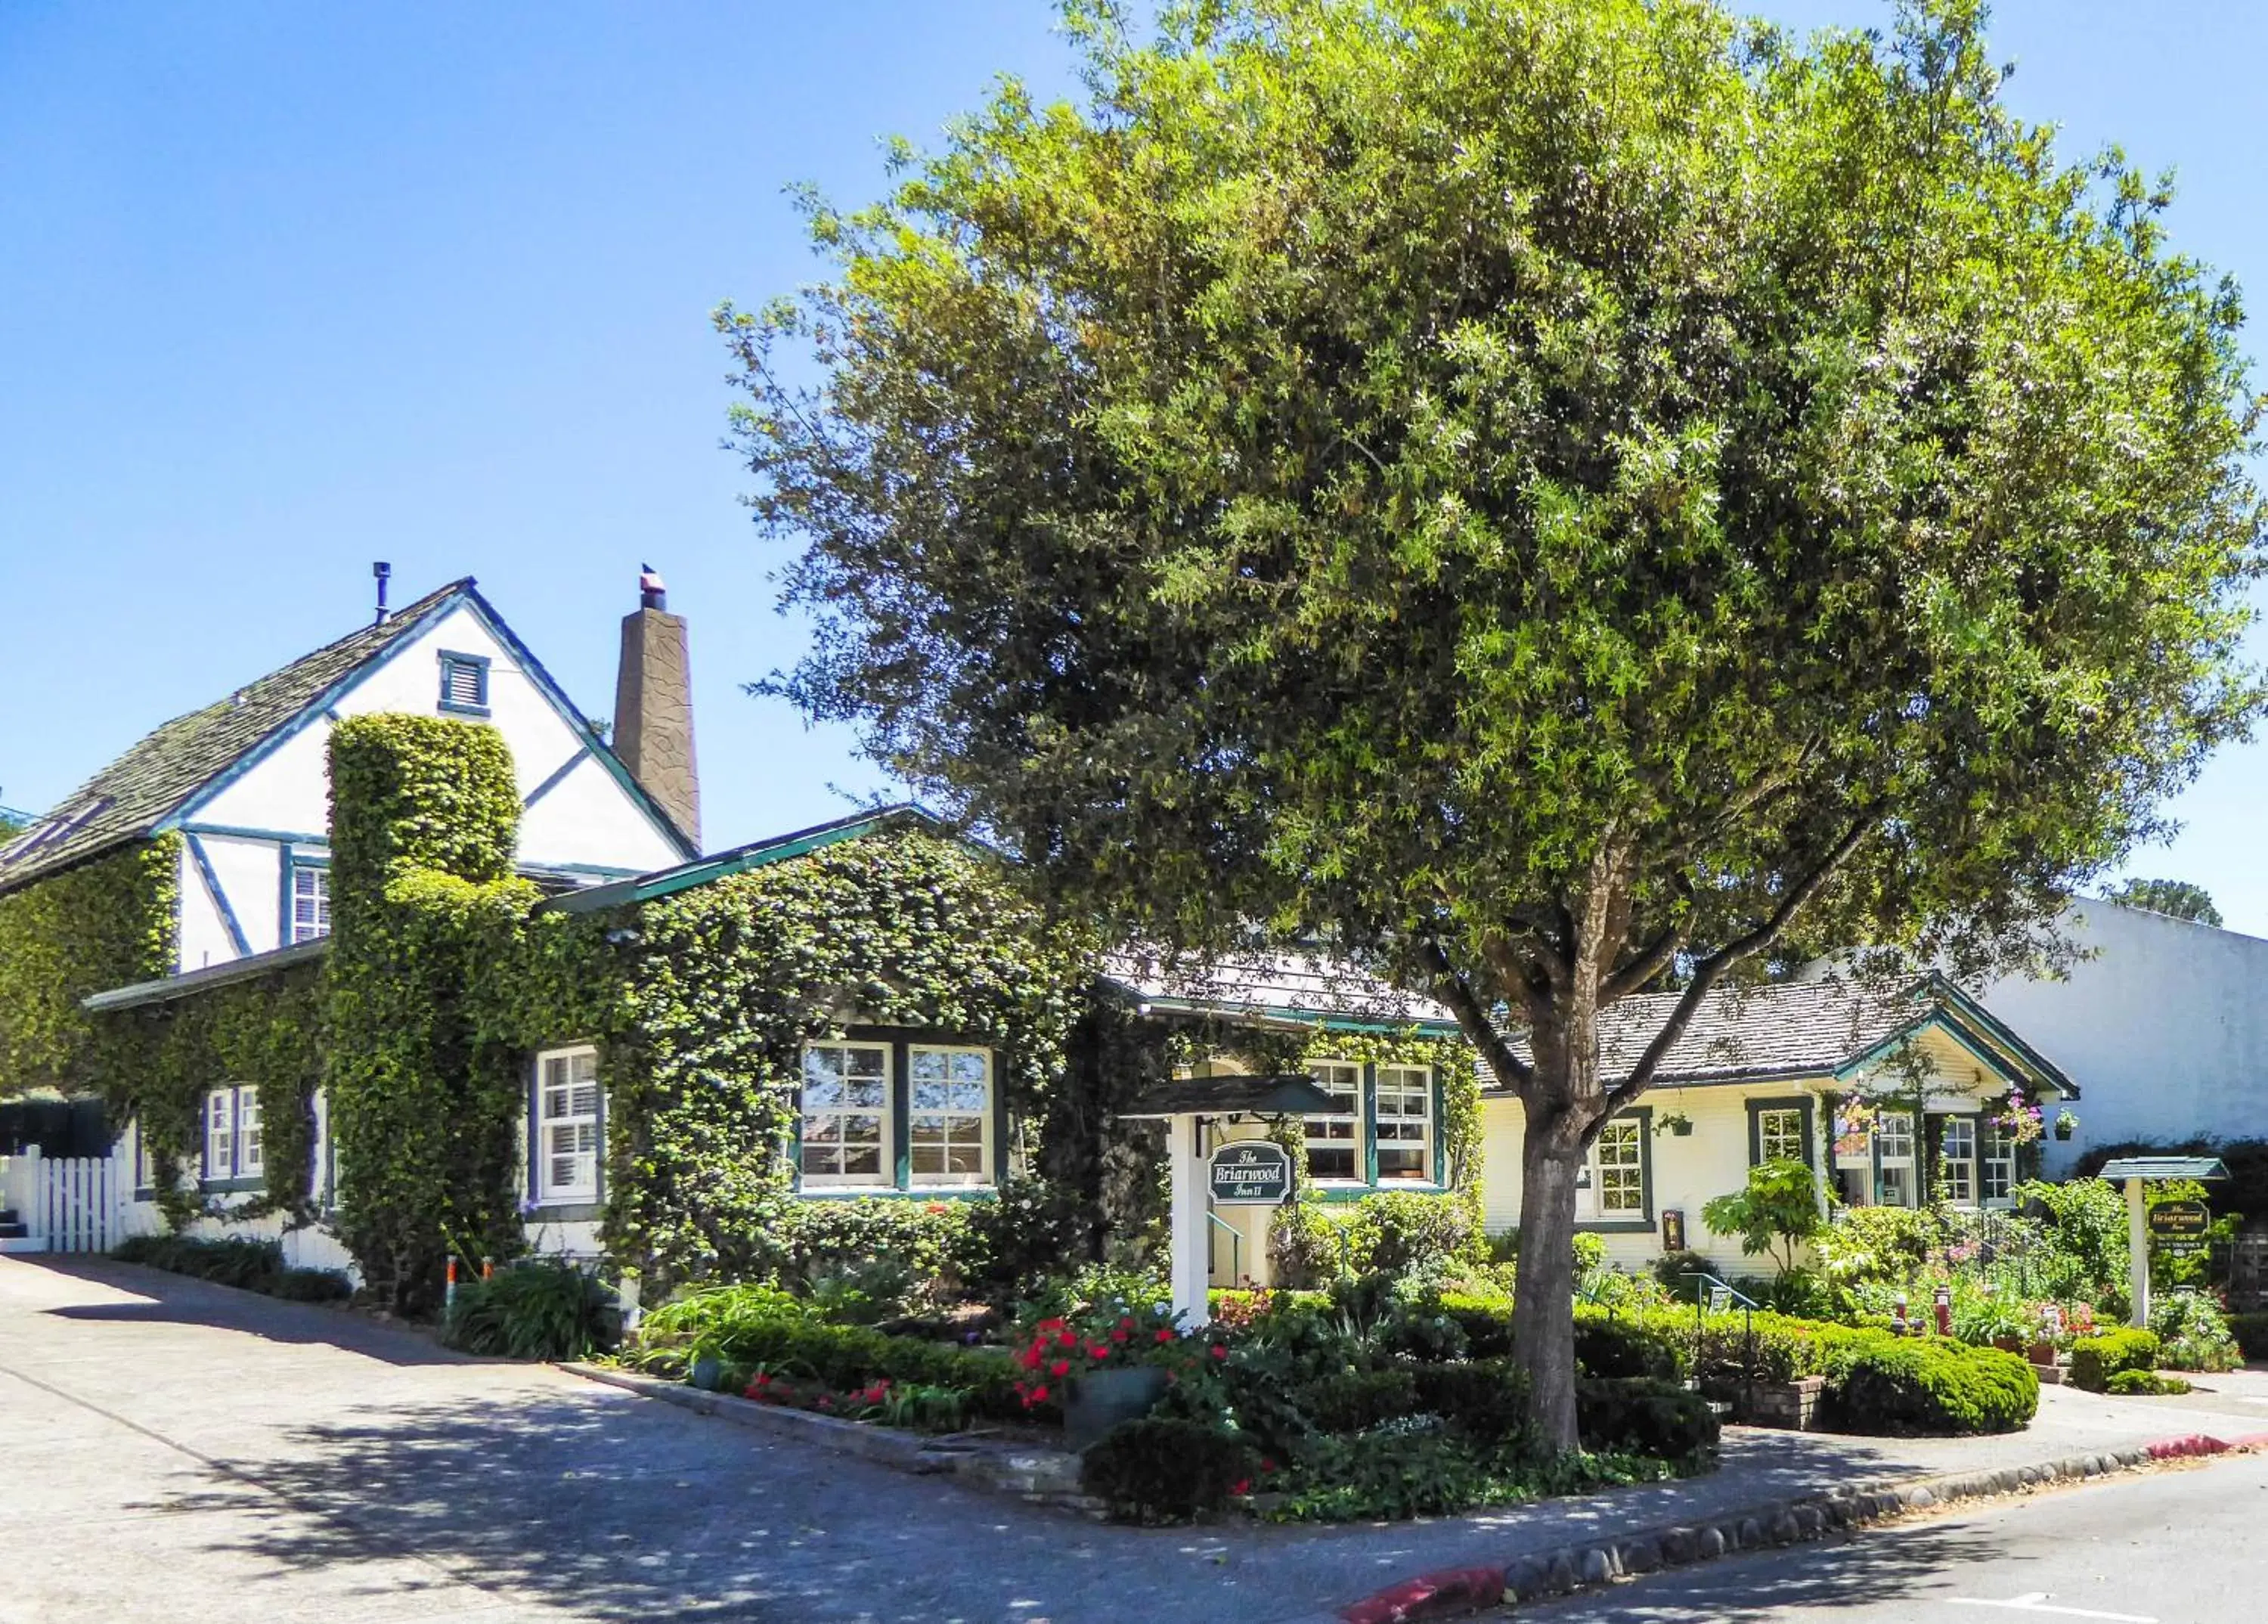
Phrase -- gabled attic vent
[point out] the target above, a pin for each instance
(464, 685)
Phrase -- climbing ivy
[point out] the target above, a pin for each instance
(423, 1077)
(900, 929)
(107, 922)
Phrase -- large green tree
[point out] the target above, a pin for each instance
(1542, 494)
(2179, 899)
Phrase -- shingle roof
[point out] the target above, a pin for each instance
(1787, 1028)
(133, 794)
(1279, 985)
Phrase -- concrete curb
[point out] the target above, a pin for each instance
(1037, 1476)
(1591, 1564)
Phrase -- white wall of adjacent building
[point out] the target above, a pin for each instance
(2163, 1024)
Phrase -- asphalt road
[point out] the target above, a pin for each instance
(2177, 1546)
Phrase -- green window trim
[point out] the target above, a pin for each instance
(1370, 1183)
(1642, 1224)
(1785, 1102)
(901, 1041)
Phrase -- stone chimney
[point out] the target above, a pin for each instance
(653, 707)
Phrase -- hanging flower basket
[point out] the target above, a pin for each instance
(2065, 1125)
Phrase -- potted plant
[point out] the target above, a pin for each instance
(1109, 1363)
(2067, 1124)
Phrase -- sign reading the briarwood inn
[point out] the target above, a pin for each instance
(1254, 1172)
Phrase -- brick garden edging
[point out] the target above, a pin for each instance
(1037, 1476)
(1590, 1564)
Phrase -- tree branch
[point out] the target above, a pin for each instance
(1707, 974)
(1453, 990)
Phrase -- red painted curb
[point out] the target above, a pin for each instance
(2249, 1440)
(1441, 1595)
(2178, 1449)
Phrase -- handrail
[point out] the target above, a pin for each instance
(1748, 1306)
(1235, 1247)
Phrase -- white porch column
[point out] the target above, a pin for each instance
(2138, 1241)
(1192, 1244)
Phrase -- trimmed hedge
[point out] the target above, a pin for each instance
(2251, 1334)
(1897, 1385)
(1162, 1470)
(1638, 1415)
(246, 1264)
(2145, 1385)
(2095, 1360)
(1484, 1398)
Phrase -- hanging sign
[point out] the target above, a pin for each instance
(1673, 1229)
(2180, 1221)
(1252, 1172)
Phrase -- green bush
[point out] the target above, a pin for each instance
(311, 1285)
(1898, 1385)
(1159, 1470)
(2095, 1359)
(1677, 1272)
(1617, 1347)
(2144, 1384)
(1357, 1401)
(1639, 1415)
(748, 1329)
(2250, 1331)
(1485, 1320)
(1404, 1232)
(1486, 1399)
(548, 1309)
(1866, 1244)
(2192, 1333)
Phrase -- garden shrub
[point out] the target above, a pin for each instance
(1898, 1385)
(2095, 1359)
(546, 1310)
(1486, 1399)
(2250, 1331)
(240, 1261)
(806, 1242)
(1867, 1244)
(747, 1331)
(1622, 1346)
(2144, 1384)
(1675, 1269)
(1165, 1470)
(2085, 1225)
(2192, 1333)
(1405, 1232)
(1640, 1415)
(311, 1286)
(1485, 1320)
(1357, 1401)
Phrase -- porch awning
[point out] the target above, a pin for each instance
(2163, 1167)
(1293, 1095)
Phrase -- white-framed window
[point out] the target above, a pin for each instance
(1335, 1140)
(1998, 1175)
(846, 1115)
(311, 904)
(949, 1115)
(1405, 1122)
(567, 1127)
(1780, 1136)
(1957, 1163)
(1894, 1152)
(233, 1139)
(1613, 1184)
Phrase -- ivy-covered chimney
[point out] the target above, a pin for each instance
(653, 707)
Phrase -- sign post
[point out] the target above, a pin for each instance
(2183, 1225)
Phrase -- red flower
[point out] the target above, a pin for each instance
(1069, 1338)
(1126, 1322)
(1031, 1360)
(1267, 1464)
(1050, 1325)
(1165, 1335)
(1241, 1487)
(1039, 1394)
(1061, 1367)
(1218, 1351)
(1098, 1352)
(1118, 1335)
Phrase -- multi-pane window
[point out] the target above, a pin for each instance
(220, 1134)
(1893, 1149)
(1780, 1136)
(846, 1109)
(567, 1106)
(949, 1115)
(1618, 1169)
(311, 902)
(1999, 1166)
(232, 1139)
(1405, 1122)
(1334, 1139)
(1958, 1164)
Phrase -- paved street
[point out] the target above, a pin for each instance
(175, 1452)
(2175, 1547)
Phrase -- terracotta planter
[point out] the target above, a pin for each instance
(2010, 1345)
(2041, 1353)
(1097, 1402)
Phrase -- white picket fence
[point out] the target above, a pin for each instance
(67, 1203)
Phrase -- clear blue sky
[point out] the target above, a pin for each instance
(285, 289)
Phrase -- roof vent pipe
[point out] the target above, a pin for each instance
(382, 572)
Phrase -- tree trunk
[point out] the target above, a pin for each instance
(1544, 1290)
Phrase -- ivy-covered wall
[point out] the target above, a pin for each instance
(728, 981)
(107, 922)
